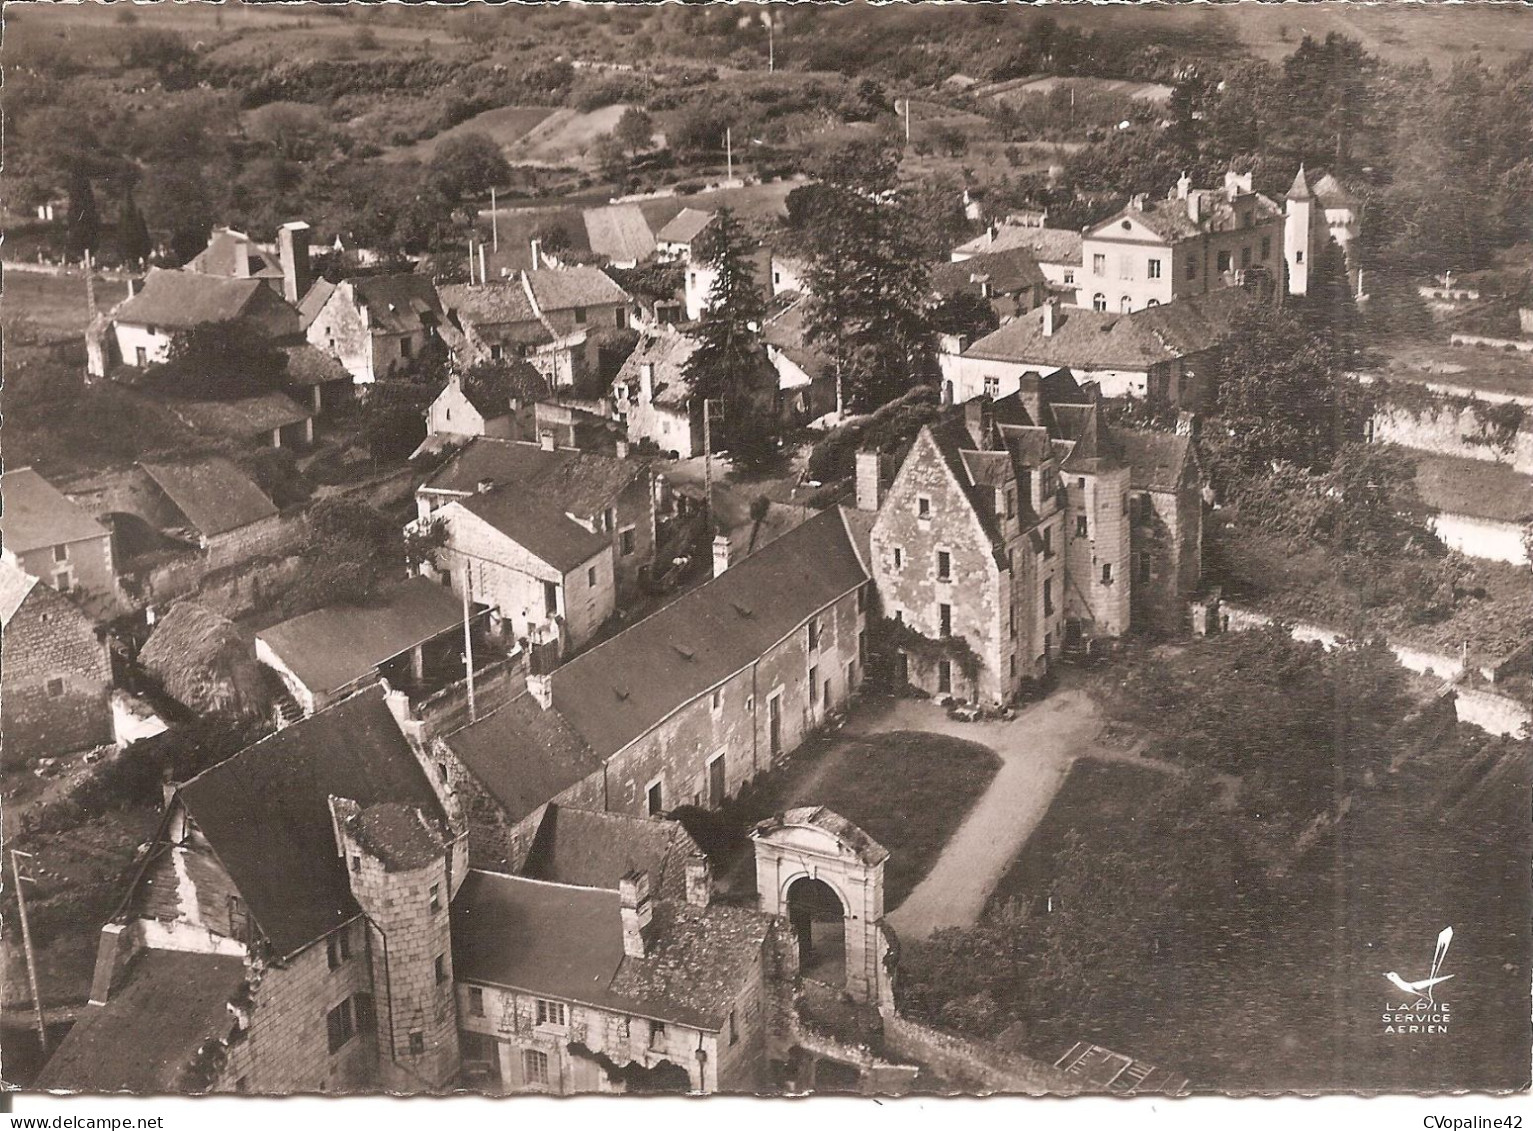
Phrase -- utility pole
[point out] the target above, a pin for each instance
(907, 123)
(468, 643)
(471, 261)
(708, 462)
(26, 942)
(729, 158)
(494, 223)
(771, 49)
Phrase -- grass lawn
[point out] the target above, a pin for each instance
(1098, 800)
(908, 790)
(55, 304)
(1466, 369)
(504, 125)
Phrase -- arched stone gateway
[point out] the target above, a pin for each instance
(821, 872)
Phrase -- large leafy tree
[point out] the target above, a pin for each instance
(219, 360)
(729, 363)
(468, 164)
(133, 243)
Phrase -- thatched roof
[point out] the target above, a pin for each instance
(203, 662)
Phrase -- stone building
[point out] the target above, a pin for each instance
(55, 683)
(1193, 242)
(1020, 527)
(46, 535)
(291, 917)
(685, 707)
(611, 497)
(1313, 217)
(377, 325)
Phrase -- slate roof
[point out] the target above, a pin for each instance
(492, 397)
(564, 942)
(221, 257)
(314, 301)
(1090, 339)
(398, 304)
(241, 419)
(1329, 191)
(564, 288)
(15, 584)
(147, 1033)
(34, 514)
(181, 299)
(1170, 220)
(523, 755)
(787, 333)
(331, 648)
(578, 483)
(1007, 272)
(307, 365)
(685, 226)
(668, 353)
(1047, 245)
(213, 494)
(266, 812)
(1155, 459)
(619, 690)
(537, 525)
(595, 850)
(620, 232)
(1300, 189)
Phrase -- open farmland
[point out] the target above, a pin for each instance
(563, 137)
(505, 125)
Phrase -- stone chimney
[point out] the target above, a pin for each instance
(1236, 183)
(699, 880)
(484, 486)
(870, 480)
(978, 418)
(952, 344)
(1188, 424)
(293, 251)
(1136, 202)
(1050, 313)
(722, 553)
(1183, 184)
(537, 254)
(542, 659)
(1195, 206)
(548, 441)
(636, 910)
(622, 449)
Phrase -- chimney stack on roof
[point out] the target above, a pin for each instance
(870, 480)
(1050, 313)
(1236, 183)
(537, 254)
(484, 486)
(293, 251)
(699, 880)
(1136, 202)
(722, 552)
(548, 441)
(978, 418)
(622, 449)
(1195, 205)
(1183, 184)
(1188, 424)
(636, 910)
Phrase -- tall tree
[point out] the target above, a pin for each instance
(133, 243)
(730, 360)
(84, 225)
(635, 130)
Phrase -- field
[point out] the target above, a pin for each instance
(504, 125)
(1043, 84)
(55, 304)
(562, 137)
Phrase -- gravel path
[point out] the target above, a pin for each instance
(1036, 750)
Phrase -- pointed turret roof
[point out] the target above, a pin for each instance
(1330, 191)
(1300, 189)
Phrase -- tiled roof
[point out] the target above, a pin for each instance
(564, 288)
(787, 332)
(523, 755)
(620, 689)
(266, 812)
(181, 299)
(222, 255)
(578, 483)
(1007, 272)
(15, 584)
(213, 494)
(489, 304)
(147, 1033)
(331, 648)
(1300, 189)
(1170, 220)
(685, 226)
(564, 942)
(1047, 245)
(307, 365)
(34, 513)
(243, 418)
(668, 353)
(398, 304)
(491, 396)
(620, 232)
(537, 525)
(596, 850)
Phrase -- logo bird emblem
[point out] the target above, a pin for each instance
(1425, 985)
